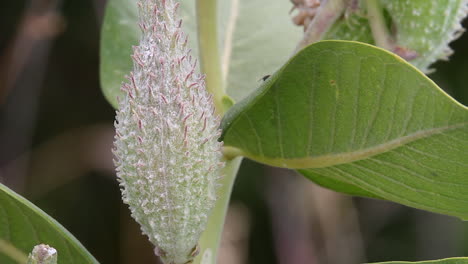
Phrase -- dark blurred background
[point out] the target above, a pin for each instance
(56, 132)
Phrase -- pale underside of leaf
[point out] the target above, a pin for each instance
(229, 35)
(256, 37)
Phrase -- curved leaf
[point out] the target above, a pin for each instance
(24, 225)
(362, 116)
(119, 33)
(248, 39)
(337, 183)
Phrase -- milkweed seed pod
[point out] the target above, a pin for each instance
(168, 158)
(421, 30)
(427, 27)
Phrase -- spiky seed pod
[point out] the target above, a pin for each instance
(168, 158)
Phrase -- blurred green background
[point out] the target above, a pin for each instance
(56, 132)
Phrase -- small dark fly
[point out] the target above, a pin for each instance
(264, 78)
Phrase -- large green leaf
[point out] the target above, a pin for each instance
(361, 117)
(439, 261)
(255, 38)
(23, 225)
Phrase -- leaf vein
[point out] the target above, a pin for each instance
(257, 137)
(409, 171)
(230, 29)
(280, 127)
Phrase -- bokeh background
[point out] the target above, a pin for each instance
(56, 132)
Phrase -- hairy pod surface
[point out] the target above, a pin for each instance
(168, 158)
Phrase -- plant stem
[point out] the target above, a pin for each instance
(209, 53)
(380, 31)
(230, 153)
(209, 242)
(326, 16)
(12, 252)
(211, 66)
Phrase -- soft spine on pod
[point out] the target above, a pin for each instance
(168, 158)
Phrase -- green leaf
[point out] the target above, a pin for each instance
(119, 33)
(23, 225)
(361, 116)
(439, 261)
(255, 38)
(336, 183)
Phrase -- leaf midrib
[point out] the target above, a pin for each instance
(347, 157)
(228, 41)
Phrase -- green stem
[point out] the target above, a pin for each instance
(211, 66)
(209, 242)
(209, 52)
(12, 252)
(379, 29)
(230, 153)
(326, 16)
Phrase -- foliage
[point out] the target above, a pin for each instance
(361, 116)
(23, 225)
(349, 116)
